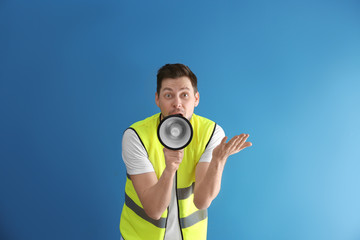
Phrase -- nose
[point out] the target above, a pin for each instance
(177, 102)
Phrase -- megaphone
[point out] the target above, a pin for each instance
(175, 132)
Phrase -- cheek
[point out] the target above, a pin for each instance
(165, 105)
(189, 105)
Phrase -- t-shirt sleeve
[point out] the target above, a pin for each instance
(218, 135)
(134, 154)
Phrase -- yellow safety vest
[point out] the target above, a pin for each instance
(134, 222)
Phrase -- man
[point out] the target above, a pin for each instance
(167, 192)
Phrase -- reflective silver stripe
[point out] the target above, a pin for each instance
(184, 193)
(193, 218)
(161, 223)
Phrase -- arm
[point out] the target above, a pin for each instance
(208, 175)
(155, 194)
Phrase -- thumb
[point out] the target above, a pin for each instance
(223, 141)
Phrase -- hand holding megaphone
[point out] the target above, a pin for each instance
(175, 133)
(173, 158)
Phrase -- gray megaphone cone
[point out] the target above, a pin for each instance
(175, 132)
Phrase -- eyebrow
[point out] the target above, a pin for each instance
(170, 89)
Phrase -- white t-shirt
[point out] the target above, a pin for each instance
(136, 160)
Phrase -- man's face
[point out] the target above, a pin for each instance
(177, 97)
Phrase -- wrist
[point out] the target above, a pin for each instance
(170, 170)
(219, 161)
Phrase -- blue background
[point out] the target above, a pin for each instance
(75, 74)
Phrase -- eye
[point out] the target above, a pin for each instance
(167, 95)
(185, 94)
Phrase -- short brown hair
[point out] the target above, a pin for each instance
(175, 71)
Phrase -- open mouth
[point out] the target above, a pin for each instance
(177, 113)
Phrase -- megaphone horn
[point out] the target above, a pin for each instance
(175, 132)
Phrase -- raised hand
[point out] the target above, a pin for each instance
(235, 145)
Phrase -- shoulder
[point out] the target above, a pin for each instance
(201, 118)
(134, 154)
(202, 122)
(217, 135)
(219, 131)
(131, 140)
(146, 122)
(214, 141)
(130, 135)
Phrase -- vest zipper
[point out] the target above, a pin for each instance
(177, 200)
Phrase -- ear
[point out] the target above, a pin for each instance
(197, 98)
(157, 99)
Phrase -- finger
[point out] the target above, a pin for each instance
(234, 139)
(245, 145)
(233, 142)
(223, 141)
(241, 142)
(245, 137)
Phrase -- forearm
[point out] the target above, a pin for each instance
(156, 199)
(208, 188)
